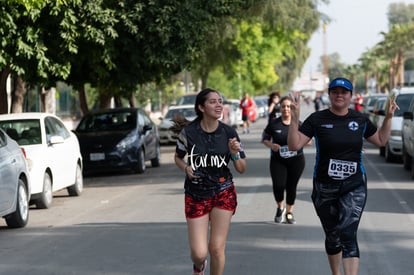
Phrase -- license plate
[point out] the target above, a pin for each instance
(96, 156)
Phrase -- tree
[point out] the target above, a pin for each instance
(267, 43)
(115, 45)
(24, 50)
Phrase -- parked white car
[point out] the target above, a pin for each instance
(235, 113)
(167, 136)
(14, 184)
(52, 152)
(393, 149)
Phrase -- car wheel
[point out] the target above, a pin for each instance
(21, 216)
(76, 189)
(155, 162)
(388, 155)
(412, 170)
(382, 151)
(46, 196)
(140, 166)
(406, 160)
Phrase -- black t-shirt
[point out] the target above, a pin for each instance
(208, 155)
(275, 112)
(277, 132)
(338, 141)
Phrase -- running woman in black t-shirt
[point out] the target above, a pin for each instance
(286, 166)
(210, 195)
(339, 181)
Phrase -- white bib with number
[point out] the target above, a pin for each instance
(285, 153)
(341, 169)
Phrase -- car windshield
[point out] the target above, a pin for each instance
(380, 103)
(183, 112)
(187, 99)
(24, 131)
(403, 101)
(259, 102)
(108, 122)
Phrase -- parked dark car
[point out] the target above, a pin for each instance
(115, 139)
(369, 102)
(408, 139)
(376, 115)
(14, 184)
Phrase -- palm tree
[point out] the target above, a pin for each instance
(397, 41)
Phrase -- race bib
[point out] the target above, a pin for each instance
(341, 169)
(285, 153)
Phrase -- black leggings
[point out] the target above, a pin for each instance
(285, 176)
(339, 207)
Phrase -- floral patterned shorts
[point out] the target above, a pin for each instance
(226, 199)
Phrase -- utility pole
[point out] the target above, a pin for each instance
(325, 52)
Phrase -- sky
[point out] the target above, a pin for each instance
(355, 27)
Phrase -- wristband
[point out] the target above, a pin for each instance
(235, 157)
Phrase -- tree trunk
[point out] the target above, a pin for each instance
(132, 100)
(117, 101)
(18, 93)
(391, 75)
(82, 100)
(400, 68)
(4, 106)
(49, 100)
(204, 78)
(104, 100)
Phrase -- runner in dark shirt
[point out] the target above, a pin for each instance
(339, 181)
(286, 166)
(339, 141)
(208, 156)
(210, 195)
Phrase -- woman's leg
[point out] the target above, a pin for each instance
(220, 224)
(278, 172)
(352, 204)
(325, 201)
(335, 263)
(295, 169)
(351, 266)
(198, 239)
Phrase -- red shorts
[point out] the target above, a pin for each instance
(226, 199)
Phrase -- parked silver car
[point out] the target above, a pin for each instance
(14, 184)
(166, 135)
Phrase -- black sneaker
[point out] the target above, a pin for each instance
(290, 218)
(279, 215)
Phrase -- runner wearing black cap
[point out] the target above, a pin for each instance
(339, 180)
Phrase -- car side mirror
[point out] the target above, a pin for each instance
(408, 115)
(56, 140)
(381, 112)
(147, 128)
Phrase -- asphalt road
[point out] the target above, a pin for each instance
(134, 224)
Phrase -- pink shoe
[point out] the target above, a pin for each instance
(197, 271)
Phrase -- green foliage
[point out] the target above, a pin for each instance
(400, 13)
(261, 51)
(117, 46)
